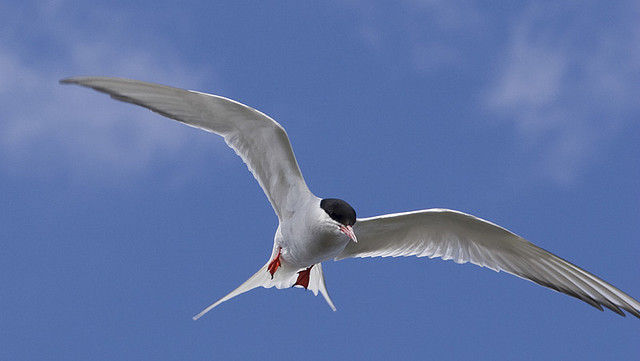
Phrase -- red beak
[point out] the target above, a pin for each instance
(347, 230)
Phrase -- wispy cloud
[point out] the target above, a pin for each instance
(568, 84)
(565, 76)
(89, 135)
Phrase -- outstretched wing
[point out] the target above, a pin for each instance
(260, 141)
(464, 238)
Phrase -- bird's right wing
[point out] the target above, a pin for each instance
(260, 141)
(464, 238)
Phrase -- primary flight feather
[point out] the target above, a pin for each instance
(312, 230)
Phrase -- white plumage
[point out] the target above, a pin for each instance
(313, 230)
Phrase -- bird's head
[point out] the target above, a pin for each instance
(341, 212)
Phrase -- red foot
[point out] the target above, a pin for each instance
(275, 263)
(303, 278)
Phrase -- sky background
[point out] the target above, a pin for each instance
(117, 225)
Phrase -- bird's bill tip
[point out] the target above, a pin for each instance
(348, 231)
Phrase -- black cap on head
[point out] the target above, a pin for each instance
(339, 211)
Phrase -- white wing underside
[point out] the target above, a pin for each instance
(453, 235)
(260, 141)
(264, 146)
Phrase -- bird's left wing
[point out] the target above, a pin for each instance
(260, 141)
(464, 238)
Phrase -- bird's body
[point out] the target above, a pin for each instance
(313, 230)
(305, 242)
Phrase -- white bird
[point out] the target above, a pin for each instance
(312, 230)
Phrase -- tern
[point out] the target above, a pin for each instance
(312, 230)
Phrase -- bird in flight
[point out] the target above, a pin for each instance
(312, 230)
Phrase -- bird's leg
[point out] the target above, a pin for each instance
(303, 278)
(275, 263)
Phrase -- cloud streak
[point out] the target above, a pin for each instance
(89, 135)
(564, 78)
(567, 89)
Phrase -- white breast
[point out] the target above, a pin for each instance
(310, 237)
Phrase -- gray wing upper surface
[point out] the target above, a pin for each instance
(464, 238)
(260, 141)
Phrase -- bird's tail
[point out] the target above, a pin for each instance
(284, 277)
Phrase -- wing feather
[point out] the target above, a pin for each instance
(453, 235)
(260, 141)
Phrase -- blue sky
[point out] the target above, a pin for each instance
(118, 225)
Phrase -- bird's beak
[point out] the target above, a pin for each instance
(349, 232)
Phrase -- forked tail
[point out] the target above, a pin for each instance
(284, 277)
